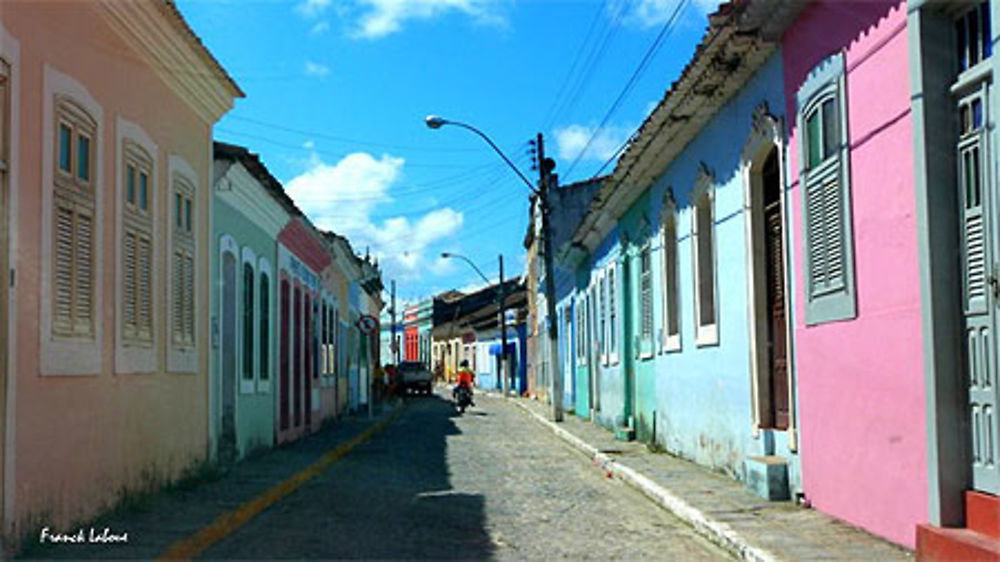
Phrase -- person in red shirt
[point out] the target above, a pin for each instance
(465, 378)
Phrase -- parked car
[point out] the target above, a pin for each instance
(415, 376)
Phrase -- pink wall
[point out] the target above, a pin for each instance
(860, 382)
(80, 440)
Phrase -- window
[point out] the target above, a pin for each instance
(972, 36)
(612, 315)
(73, 255)
(645, 302)
(829, 271)
(602, 289)
(703, 239)
(581, 346)
(248, 322)
(265, 326)
(671, 337)
(137, 247)
(182, 265)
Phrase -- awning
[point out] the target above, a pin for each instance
(495, 348)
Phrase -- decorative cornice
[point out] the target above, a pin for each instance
(156, 31)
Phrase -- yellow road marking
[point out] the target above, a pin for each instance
(226, 523)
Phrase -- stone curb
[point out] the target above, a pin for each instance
(716, 531)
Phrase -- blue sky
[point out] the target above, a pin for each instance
(337, 91)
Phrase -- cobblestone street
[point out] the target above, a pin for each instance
(489, 483)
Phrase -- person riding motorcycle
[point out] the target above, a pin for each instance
(465, 378)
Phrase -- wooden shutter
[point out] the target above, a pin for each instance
(62, 275)
(83, 282)
(646, 294)
(265, 328)
(670, 323)
(177, 282)
(189, 298)
(247, 321)
(144, 290)
(129, 259)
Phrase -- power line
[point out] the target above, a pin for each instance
(576, 60)
(643, 64)
(335, 138)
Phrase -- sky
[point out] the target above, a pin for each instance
(337, 92)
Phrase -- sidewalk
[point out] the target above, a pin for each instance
(718, 507)
(156, 521)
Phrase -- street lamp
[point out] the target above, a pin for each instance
(545, 167)
(501, 299)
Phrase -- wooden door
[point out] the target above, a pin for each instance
(5, 115)
(776, 316)
(284, 355)
(227, 433)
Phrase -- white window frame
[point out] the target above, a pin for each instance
(264, 270)
(705, 334)
(64, 356)
(669, 343)
(602, 325)
(614, 311)
(129, 357)
(183, 358)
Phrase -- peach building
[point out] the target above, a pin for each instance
(106, 115)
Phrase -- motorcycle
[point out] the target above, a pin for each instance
(463, 398)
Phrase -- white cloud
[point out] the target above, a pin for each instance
(316, 69)
(312, 8)
(319, 28)
(572, 139)
(344, 197)
(654, 13)
(385, 17)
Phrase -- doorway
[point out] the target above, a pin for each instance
(227, 433)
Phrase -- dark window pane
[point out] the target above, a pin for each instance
(130, 184)
(974, 46)
(83, 157)
(143, 191)
(187, 215)
(65, 139)
(814, 139)
(831, 130)
(977, 114)
(986, 34)
(177, 210)
(961, 45)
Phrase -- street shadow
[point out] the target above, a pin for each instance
(390, 498)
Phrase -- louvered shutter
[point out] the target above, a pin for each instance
(84, 274)
(826, 201)
(178, 297)
(189, 298)
(144, 292)
(63, 270)
(129, 289)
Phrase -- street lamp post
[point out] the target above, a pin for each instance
(501, 300)
(546, 165)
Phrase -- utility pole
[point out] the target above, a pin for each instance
(545, 178)
(504, 362)
(392, 328)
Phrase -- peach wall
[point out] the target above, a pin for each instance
(860, 382)
(81, 439)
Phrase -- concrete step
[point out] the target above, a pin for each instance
(982, 513)
(937, 544)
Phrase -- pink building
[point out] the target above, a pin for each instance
(862, 404)
(105, 163)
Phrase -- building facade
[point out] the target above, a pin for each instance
(104, 198)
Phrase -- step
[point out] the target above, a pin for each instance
(982, 513)
(767, 476)
(937, 544)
